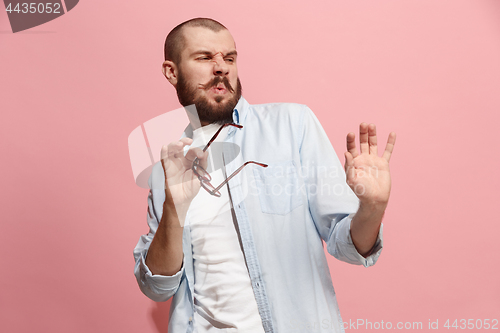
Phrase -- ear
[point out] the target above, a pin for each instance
(170, 71)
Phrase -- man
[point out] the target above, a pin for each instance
(248, 256)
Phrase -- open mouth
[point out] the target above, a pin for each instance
(219, 89)
(219, 85)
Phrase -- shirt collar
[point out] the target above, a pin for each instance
(239, 114)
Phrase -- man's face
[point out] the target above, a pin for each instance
(208, 75)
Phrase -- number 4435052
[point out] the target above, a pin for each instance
(35, 8)
(472, 324)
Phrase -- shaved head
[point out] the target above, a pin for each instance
(175, 41)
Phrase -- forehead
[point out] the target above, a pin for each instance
(203, 39)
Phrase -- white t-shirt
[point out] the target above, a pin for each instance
(224, 299)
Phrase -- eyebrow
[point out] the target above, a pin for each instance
(231, 53)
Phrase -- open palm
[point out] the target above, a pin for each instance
(367, 173)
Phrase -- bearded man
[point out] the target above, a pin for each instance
(245, 253)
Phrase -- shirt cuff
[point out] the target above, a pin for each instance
(373, 254)
(159, 284)
(341, 246)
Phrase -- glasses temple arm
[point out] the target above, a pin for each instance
(217, 133)
(236, 172)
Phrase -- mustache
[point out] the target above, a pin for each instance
(215, 81)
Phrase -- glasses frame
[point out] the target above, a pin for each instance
(205, 178)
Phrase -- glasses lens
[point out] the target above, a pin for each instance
(210, 188)
(201, 173)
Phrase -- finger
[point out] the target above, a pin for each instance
(351, 144)
(349, 167)
(194, 153)
(176, 148)
(204, 160)
(372, 139)
(186, 141)
(173, 148)
(363, 138)
(389, 146)
(164, 157)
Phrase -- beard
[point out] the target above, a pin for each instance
(220, 113)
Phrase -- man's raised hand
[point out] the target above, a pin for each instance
(367, 173)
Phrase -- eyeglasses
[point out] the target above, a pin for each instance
(205, 177)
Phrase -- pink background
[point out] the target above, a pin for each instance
(74, 88)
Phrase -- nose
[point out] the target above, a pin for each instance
(220, 66)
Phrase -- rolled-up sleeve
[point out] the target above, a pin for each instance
(340, 245)
(159, 288)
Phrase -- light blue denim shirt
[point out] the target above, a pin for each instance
(283, 213)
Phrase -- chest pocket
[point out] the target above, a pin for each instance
(278, 188)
